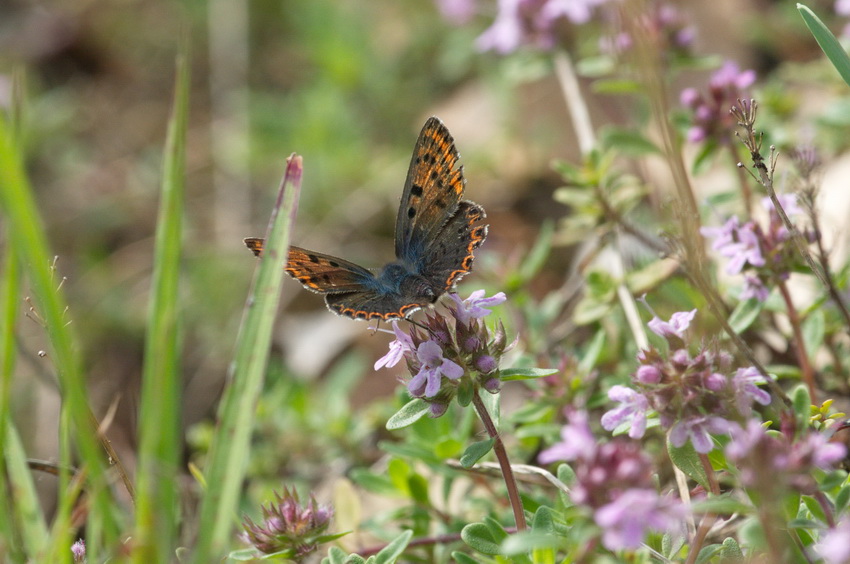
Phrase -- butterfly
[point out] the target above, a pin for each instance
(436, 233)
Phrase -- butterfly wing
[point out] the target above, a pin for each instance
(349, 289)
(432, 191)
(449, 256)
(370, 305)
(320, 273)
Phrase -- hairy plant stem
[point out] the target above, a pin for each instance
(799, 343)
(504, 463)
(708, 519)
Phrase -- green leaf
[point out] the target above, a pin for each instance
(732, 550)
(827, 41)
(576, 198)
(512, 374)
(463, 558)
(592, 352)
(814, 508)
(650, 276)
(745, 313)
(628, 141)
(566, 474)
(244, 555)
(392, 551)
(539, 252)
(399, 471)
(322, 539)
(541, 545)
(543, 521)
(589, 310)
(723, 504)
(671, 545)
(688, 461)
(814, 329)
(378, 484)
(707, 552)
(448, 448)
(412, 412)
(465, 392)
(841, 499)
(804, 524)
(801, 402)
(335, 556)
(833, 480)
(479, 537)
(418, 486)
(474, 452)
(705, 156)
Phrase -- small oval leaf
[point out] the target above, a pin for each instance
(412, 412)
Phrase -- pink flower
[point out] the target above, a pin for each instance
(402, 344)
(626, 520)
(434, 367)
(577, 441)
(676, 327)
(633, 409)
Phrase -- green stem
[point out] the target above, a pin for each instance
(504, 463)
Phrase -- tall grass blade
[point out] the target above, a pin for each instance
(230, 449)
(29, 241)
(18, 484)
(159, 413)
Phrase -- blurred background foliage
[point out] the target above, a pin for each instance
(347, 85)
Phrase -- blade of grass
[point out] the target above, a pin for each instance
(230, 450)
(29, 241)
(10, 301)
(828, 42)
(159, 413)
(27, 509)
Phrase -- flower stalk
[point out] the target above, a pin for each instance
(504, 462)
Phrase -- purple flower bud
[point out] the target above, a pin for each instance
(648, 374)
(485, 364)
(471, 344)
(715, 382)
(680, 358)
(492, 385)
(437, 409)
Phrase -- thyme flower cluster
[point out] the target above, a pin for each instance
(762, 254)
(446, 348)
(614, 480)
(694, 396)
(288, 528)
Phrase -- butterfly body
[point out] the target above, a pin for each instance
(436, 234)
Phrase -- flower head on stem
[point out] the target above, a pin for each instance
(445, 349)
(288, 526)
(694, 395)
(615, 481)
